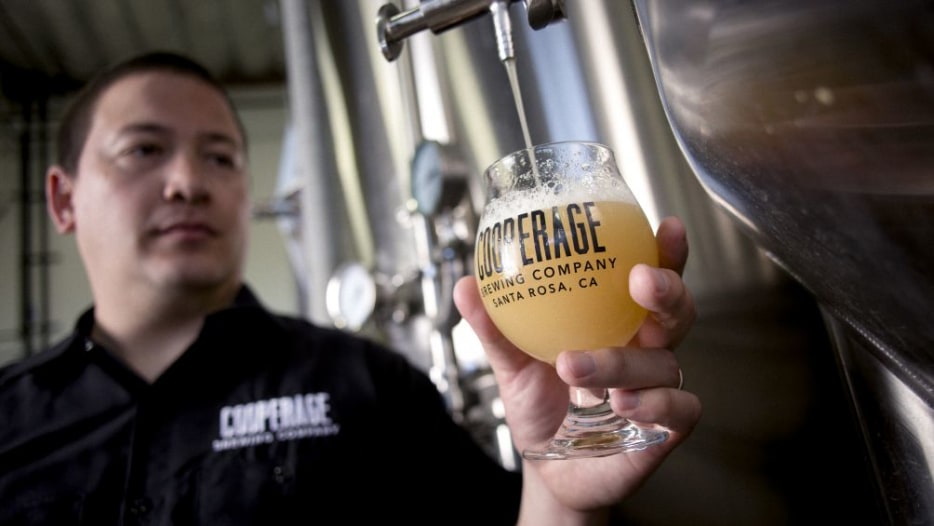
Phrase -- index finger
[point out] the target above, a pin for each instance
(502, 354)
(672, 240)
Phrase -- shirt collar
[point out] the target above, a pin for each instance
(245, 299)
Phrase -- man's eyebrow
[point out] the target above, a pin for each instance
(215, 137)
(208, 136)
(144, 127)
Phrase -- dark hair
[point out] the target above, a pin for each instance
(76, 121)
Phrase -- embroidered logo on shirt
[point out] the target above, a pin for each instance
(275, 419)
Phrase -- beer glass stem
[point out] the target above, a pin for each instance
(592, 429)
(584, 399)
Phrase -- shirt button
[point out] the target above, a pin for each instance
(278, 474)
(140, 506)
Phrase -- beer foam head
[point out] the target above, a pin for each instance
(552, 174)
(510, 203)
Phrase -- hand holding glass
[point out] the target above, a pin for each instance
(558, 236)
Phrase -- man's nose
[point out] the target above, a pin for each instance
(184, 180)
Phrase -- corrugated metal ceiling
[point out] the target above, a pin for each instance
(52, 46)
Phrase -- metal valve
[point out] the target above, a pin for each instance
(394, 26)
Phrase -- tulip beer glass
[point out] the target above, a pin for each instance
(559, 233)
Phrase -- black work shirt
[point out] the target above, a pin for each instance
(265, 419)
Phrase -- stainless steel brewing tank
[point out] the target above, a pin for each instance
(812, 123)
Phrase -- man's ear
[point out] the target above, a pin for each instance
(59, 190)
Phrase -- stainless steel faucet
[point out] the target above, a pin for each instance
(394, 26)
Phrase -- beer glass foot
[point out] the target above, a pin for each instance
(596, 432)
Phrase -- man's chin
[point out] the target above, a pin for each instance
(197, 281)
(193, 274)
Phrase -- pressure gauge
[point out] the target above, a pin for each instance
(438, 177)
(351, 296)
(427, 176)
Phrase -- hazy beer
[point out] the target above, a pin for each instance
(553, 260)
(558, 236)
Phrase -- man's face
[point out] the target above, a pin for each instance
(161, 194)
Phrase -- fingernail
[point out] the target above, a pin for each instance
(581, 363)
(661, 282)
(626, 400)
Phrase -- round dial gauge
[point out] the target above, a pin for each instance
(427, 176)
(351, 296)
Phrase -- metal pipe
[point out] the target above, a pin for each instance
(45, 302)
(310, 155)
(502, 26)
(25, 240)
(393, 26)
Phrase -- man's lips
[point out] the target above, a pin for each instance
(186, 229)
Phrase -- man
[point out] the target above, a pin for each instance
(179, 399)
